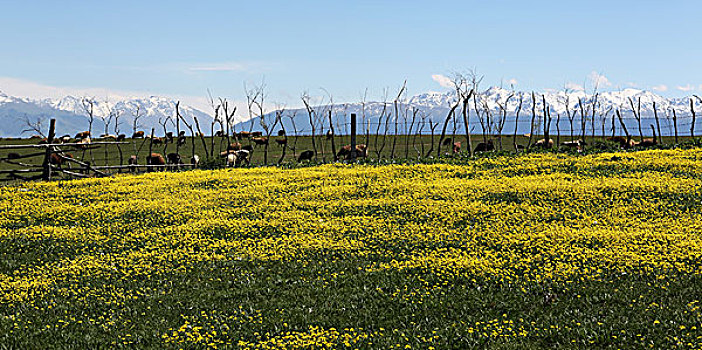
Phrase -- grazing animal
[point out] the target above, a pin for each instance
(330, 134)
(169, 137)
(108, 137)
(456, 146)
(260, 140)
(57, 160)
(307, 155)
(544, 144)
(43, 141)
(649, 142)
(577, 144)
(13, 155)
(247, 148)
(82, 135)
(157, 141)
(281, 132)
(199, 134)
(173, 158)
(361, 151)
(242, 156)
(35, 137)
(446, 142)
(155, 159)
(219, 133)
(621, 140)
(485, 147)
(121, 137)
(281, 142)
(132, 163)
(65, 138)
(231, 159)
(181, 140)
(195, 160)
(244, 134)
(257, 134)
(138, 135)
(84, 142)
(234, 146)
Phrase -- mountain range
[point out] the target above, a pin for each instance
(70, 112)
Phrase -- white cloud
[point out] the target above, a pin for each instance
(686, 88)
(660, 88)
(573, 86)
(631, 84)
(598, 79)
(512, 81)
(442, 80)
(221, 67)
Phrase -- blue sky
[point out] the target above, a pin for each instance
(183, 48)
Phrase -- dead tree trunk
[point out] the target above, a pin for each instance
(533, 117)
(443, 130)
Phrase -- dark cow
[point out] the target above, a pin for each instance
(244, 135)
(138, 135)
(58, 160)
(247, 148)
(219, 133)
(169, 137)
(260, 140)
(121, 137)
(281, 132)
(174, 158)
(544, 144)
(446, 142)
(157, 141)
(485, 147)
(306, 155)
(13, 155)
(234, 146)
(256, 134)
(330, 134)
(649, 142)
(281, 142)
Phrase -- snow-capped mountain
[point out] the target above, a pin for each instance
(71, 113)
(435, 106)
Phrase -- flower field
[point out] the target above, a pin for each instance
(532, 251)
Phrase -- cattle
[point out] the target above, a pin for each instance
(169, 137)
(173, 158)
(544, 144)
(260, 140)
(577, 144)
(82, 135)
(181, 138)
(281, 142)
(35, 137)
(281, 132)
(649, 142)
(219, 133)
(108, 137)
(244, 134)
(199, 134)
(43, 141)
(456, 147)
(231, 159)
(247, 148)
(361, 151)
(330, 134)
(157, 141)
(65, 138)
(234, 146)
(256, 134)
(84, 142)
(132, 161)
(243, 156)
(485, 147)
(13, 155)
(621, 140)
(58, 160)
(446, 142)
(155, 159)
(138, 135)
(307, 155)
(195, 160)
(121, 137)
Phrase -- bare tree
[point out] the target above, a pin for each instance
(637, 114)
(36, 126)
(500, 123)
(516, 121)
(533, 117)
(306, 99)
(88, 104)
(397, 116)
(451, 114)
(694, 119)
(658, 124)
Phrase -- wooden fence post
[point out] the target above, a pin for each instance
(353, 136)
(46, 174)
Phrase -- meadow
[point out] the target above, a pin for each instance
(538, 250)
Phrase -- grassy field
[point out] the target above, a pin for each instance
(533, 251)
(405, 148)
